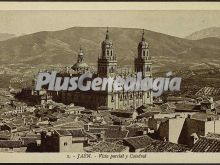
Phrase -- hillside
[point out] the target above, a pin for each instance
(6, 36)
(205, 33)
(61, 47)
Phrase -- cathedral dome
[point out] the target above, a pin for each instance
(80, 66)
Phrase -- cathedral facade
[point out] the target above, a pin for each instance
(107, 67)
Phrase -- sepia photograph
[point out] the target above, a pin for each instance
(133, 81)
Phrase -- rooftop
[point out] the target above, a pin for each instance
(161, 146)
(116, 134)
(210, 143)
(187, 107)
(139, 141)
(204, 116)
(77, 133)
(10, 144)
(107, 147)
(63, 133)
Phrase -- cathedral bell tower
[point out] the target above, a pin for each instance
(107, 62)
(143, 61)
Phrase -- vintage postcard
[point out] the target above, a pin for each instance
(108, 82)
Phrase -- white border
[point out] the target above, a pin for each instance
(151, 157)
(110, 6)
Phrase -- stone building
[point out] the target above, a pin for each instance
(80, 66)
(107, 67)
(187, 130)
(63, 141)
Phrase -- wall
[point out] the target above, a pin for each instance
(212, 126)
(77, 147)
(152, 124)
(164, 130)
(175, 128)
(65, 144)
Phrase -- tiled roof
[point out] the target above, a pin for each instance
(135, 131)
(11, 125)
(161, 146)
(72, 123)
(204, 116)
(207, 144)
(115, 134)
(5, 135)
(107, 147)
(104, 108)
(187, 107)
(77, 133)
(23, 128)
(96, 130)
(63, 132)
(10, 144)
(147, 114)
(28, 140)
(139, 141)
(173, 98)
(213, 135)
(90, 136)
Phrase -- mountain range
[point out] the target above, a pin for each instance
(6, 36)
(61, 47)
(205, 33)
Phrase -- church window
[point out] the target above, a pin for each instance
(121, 97)
(147, 69)
(108, 52)
(65, 144)
(112, 100)
(112, 69)
(144, 53)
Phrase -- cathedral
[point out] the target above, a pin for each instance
(107, 67)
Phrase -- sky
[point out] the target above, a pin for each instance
(176, 23)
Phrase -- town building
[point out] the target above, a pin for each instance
(63, 140)
(137, 143)
(10, 145)
(185, 130)
(107, 67)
